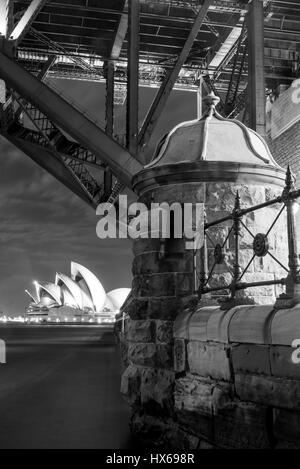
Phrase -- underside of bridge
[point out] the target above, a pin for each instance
(240, 50)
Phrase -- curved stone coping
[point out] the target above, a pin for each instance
(207, 171)
(242, 324)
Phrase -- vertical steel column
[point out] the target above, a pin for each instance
(256, 86)
(199, 97)
(6, 26)
(109, 115)
(132, 126)
(294, 262)
(203, 262)
(236, 232)
(6, 17)
(160, 100)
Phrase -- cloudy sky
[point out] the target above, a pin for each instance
(44, 226)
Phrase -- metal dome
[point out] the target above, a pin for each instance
(212, 138)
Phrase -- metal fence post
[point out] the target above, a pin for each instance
(293, 278)
(203, 260)
(236, 232)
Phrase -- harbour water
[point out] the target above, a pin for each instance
(60, 388)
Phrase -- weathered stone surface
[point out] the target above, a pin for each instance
(123, 344)
(154, 432)
(229, 261)
(251, 359)
(181, 324)
(165, 308)
(278, 392)
(204, 397)
(282, 364)
(222, 195)
(146, 263)
(266, 290)
(157, 389)
(164, 331)
(150, 354)
(218, 323)
(268, 265)
(151, 263)
(180, 356)
(286, 445)
(250, 325)
(205, 445)
(138, 308)
(272, 193)
(155, 285)
(201, 395)
(198, 323)
(130, 384)
(196, 401)
(146, 245)
(209, 360)
(286, 326)
(184, 284)
(242, 426)
(141, 331)
(217, 235)
(162, 284)
(140, 286)
(149, 430)
(286, 425)
(194, 395)
(164, 355)
(199, 424)
(142, 354)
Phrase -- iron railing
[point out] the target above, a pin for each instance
(260, 248)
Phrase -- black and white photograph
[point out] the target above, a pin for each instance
(150, 227)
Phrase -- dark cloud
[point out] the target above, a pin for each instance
(44, 226)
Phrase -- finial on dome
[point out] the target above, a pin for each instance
(211, 101)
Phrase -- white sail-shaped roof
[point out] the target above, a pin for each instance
(118, 296)
(68, 299)
(82, 299)
(31, 295)
(52, 290)
(109, 305)
(90, 283)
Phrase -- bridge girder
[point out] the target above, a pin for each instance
(191, 48)
(69, 119)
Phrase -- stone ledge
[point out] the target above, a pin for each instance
(209, 360)
(268, 390)
(248, 358)
(242, 426)
(151, 354)
(247, 324)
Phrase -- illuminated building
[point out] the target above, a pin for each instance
(80, 297)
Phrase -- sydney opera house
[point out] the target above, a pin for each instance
(80, 297)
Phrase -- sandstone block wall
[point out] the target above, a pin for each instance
(173, 276)
(214, 378)
(187, 374)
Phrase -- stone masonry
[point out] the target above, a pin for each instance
(198, 375)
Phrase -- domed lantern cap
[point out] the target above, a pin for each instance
(212, 138)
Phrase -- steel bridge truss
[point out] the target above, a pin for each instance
(87, 155)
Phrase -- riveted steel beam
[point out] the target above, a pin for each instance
(26, 21)
(163, 93)
(70, 119)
